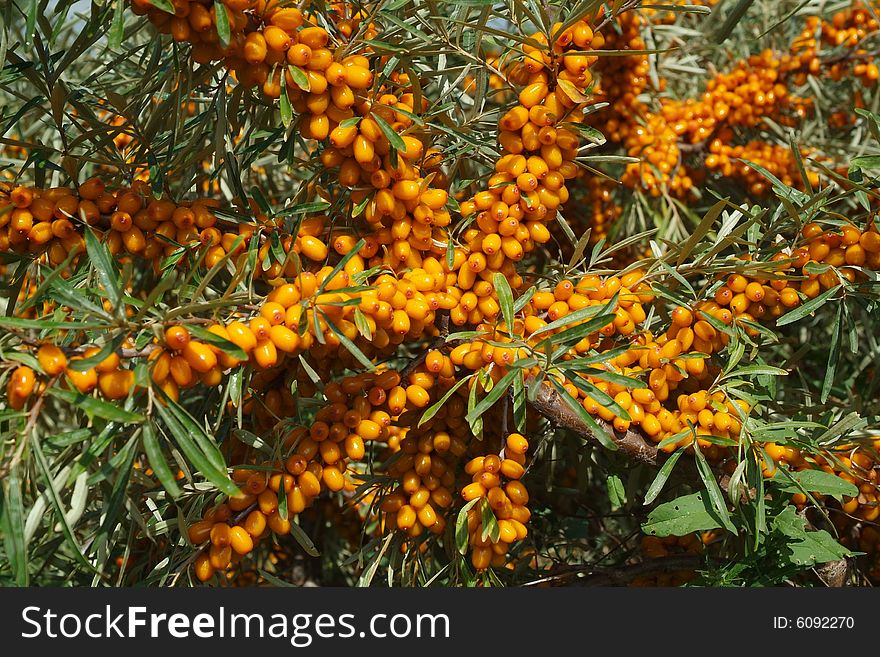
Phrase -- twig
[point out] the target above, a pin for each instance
(632, 443)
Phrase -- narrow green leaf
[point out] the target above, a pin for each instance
(157, 460)
(833, 355)
(164, 5)
(100, 258)
(188, 446)
(96, 407)
(393, 138)
(616, 491)
(52, 494)
(12, 519)
(662, 476)
(431, 411)
(348, 344)
(222, 20)
(461, 526)
(85, 364)
(600, 434)
(300, 78)
(807, 308)
(493, 396)
(732, 19)
(490, 523)
(505, 298)
(115, 502)
(304, 541)
(230, 348)
(713, 489)
(114, 36)
(370, 572)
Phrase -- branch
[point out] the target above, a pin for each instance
(834, 573)
(632, 443)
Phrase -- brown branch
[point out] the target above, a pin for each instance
(833, 573)
(631, 443)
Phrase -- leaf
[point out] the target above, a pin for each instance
(52, 494)
(461, 526)
(96, 407)
(598, 394)
(817, 482)
(85, 364)
(275, 581)
(222, 20)
(188, 446)
(116, 500)
(490, 523)
(253, 440)
(157, 460)
(575, 94)
(598, 432)
(100, 258)
(866, 162)
(851, 422)
(224, 345)
(700, 231)
(681, 516)
(348, 344)
(284, 105)
(117, 28)
(733, 17)
(163, 5)
(303, 539)
(616, 491)
(300, 78)
(431, 411)
(808, 547)
(663, 474)
(571, 336)
(12, 520)
(833, 355)
(30, 22)
(367, 577)
(716, 497)
(755, 370)
(493, 396)
(505, 298)
(587, 132)
(807, 308)
(341, 265)
(571, 318)
(393, 138)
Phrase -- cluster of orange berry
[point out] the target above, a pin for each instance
(423, 456)
(495, 481)
(51, 221)
(848, 30)
(314, 458)
(511, 215)
(733, 102)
